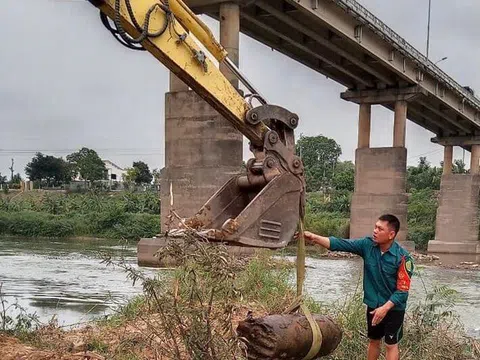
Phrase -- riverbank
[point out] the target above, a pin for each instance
(224, 291)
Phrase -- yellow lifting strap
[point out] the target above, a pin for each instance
(316, 332)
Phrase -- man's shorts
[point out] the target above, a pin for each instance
(391, 327)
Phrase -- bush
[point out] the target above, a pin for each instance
(115, 225)
(422, 212)
(137, 226)
(53, 214)
(34, 224)
(336, 202)
(328, 224)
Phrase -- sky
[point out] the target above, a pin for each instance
(65, 83)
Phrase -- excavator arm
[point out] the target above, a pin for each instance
(262, 207)
(171, 43)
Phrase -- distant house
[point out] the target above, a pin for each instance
(114, 172)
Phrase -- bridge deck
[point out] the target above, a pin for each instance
(345, 42)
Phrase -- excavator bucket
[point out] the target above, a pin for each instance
(263, 207)
(258, 216)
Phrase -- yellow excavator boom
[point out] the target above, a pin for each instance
(261, 208)
(179, 52)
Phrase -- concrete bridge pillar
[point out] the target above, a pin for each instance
(400, 123)
(202, 149)
(457, 222)
(447, 159)
(380, 173)
(364, 125)
(475, 160)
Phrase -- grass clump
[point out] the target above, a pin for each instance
(266, 286)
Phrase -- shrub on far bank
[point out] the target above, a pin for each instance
(112, 225)
(422, 212)
(328, 224)
(33, 224)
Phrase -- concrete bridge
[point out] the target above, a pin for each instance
(345, 42)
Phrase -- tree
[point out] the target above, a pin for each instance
(130, 175)
(423, 176)
(459, 167)
(11, 171)
(320, 156)
(143, 174)
(157, 175)
(88, 164)
(344, 176)
(45, 168)
(17, 178)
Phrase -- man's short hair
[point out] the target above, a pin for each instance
(392, 221)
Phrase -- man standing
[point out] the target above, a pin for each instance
(388, 269)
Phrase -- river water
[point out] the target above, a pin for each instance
(68, 280)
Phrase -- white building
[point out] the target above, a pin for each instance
(115, 172)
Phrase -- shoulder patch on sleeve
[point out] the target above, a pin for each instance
(409, 265)
(403, 274)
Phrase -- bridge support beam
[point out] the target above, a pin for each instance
(202, 149)
(457, 222)
(380, 173)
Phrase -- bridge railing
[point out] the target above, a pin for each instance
(381, 29)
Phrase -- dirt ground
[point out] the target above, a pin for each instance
(93, 342)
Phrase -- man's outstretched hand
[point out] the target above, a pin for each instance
(307, 235)
(315, 239)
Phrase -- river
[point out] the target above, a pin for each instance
(68, 280)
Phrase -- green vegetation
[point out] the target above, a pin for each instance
(330, 185)
(125, 215)
(319, 155)
(49, 170)
(422, 211)
(139, 174)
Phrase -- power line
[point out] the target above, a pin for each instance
(426, 153)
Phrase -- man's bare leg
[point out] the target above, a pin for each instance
(374, 349)
(393, 353)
